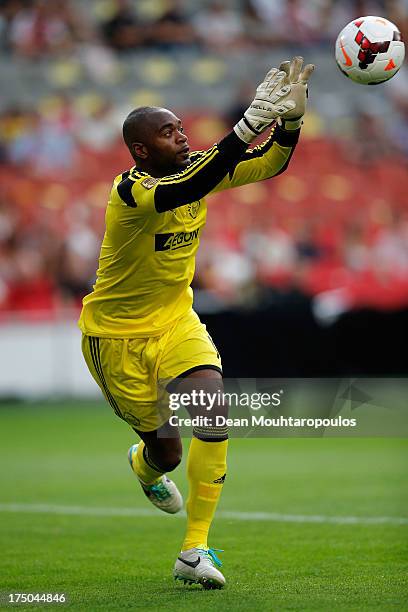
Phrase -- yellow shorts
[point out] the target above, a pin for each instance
(133, 372)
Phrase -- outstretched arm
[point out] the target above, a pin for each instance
(262, 162)
(272, 100)
(282, 97)
(273, 155)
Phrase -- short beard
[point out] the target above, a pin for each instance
(176, 168)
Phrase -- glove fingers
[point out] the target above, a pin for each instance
(270, 75)
(307, 71)
(269, 81)
(276, 78)
(295, 68)
(274, 83)
(285, 67)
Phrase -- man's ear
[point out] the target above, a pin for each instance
(140, 150)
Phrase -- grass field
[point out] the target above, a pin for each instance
(73, 520)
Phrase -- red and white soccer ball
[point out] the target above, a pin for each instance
(369, 50)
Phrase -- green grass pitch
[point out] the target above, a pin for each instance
(71, 458)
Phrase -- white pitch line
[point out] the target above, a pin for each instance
(223, 514)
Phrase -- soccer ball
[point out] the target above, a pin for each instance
(369, 50)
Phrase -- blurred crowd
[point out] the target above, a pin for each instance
(335, 226)
(34, 28)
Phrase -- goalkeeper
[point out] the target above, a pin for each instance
(141, 337)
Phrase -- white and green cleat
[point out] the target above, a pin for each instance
(163, 494)
(198, 566)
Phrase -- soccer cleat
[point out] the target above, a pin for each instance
(197, 566)
(163, 494)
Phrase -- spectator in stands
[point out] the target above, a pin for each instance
(123, 31)
(272, 251)
(99, 130)
(45, 145)
(356, 253)
(76, 258)
(373, 142)
(239, 104)
(173, 29)
(296, 22)
(398, 92)
(219, 28)
(27, 260)
(14, 122)
(44, 28)
(389, 253)
(306, 245)
(225, 273)
(9, 9)
(51, 144)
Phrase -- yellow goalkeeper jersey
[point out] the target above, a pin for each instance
(153, 230)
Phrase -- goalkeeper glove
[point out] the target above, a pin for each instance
(297, 80)
(271, 101)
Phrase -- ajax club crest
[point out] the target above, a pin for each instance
(193, 209)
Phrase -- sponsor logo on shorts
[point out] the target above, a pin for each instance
(171, 242)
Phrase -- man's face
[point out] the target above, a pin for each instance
(165, 148)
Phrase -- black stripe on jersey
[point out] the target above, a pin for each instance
(206, 174)
(286, 138)
(125, 189)
(96, 358)
(260, 149)
(196, 154)
(112, 401)
(136, 173)
(189, 170)
(282, 137)
(92, 348)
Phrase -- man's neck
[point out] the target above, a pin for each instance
(150, 171)
(158, 172)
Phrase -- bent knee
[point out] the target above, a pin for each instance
(169, 461)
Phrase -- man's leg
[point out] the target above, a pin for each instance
(206, 462)
(206, 471)
(155, 455)
(160, 451)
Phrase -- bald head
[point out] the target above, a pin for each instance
(156, 141)
(140, 123)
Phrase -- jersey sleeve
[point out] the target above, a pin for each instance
(200, 177)
(130, 201)
(225, 165)
(264, 161)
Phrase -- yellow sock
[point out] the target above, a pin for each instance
(143, 467)
(206, 468)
